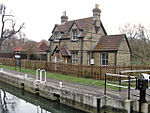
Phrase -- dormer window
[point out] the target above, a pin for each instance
(74, 35)
(56, 36)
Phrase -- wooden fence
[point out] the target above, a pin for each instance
(94, 72)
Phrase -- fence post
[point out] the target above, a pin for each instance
(120, 82)
(105, 85)
(46, 66)
(115, 69)
(35, 65)
(128, 87)
(78, 70)
(101, 72)
(49, 66)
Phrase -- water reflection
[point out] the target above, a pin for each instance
(14, 100)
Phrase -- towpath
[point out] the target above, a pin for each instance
(86, 89)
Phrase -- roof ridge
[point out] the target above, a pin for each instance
(111, 42)
(82, 18)
(73, 21)
(113, 35)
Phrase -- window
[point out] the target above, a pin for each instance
(56, 58)
(104, 59)
(88, 58)
(56, 36)
(75, 58)
(74, 35)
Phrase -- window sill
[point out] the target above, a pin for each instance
(104, 65)
(74, 40)
(56, 41)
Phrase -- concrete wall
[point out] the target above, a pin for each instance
(70, 96)
(67, 96)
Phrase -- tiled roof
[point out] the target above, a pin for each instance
(64, 50)
(109, 43)
(83, 24)
(40, 46)
(18, 48)
(65, 35)
(64, 27)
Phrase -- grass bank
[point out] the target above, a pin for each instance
(69, 78)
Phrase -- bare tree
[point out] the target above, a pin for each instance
(30, 48)
(138, 37)
(135, 31)
(9, 44)
(5, 19)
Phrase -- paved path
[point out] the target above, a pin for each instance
(121, 95)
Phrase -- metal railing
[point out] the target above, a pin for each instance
(120, 86)
(39, 77)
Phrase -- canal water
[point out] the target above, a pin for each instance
(14, 100)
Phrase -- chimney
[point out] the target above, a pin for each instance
(64, 18)
(96, 15)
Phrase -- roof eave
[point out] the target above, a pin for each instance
(104, 50)
(103, 28)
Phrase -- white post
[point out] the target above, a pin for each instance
(37, 74)
(25, 76)
(60, 84)
(45, 77)
(41, 75)
(1, 69)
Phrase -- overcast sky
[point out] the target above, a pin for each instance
(40, 16)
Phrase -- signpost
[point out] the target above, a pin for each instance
(18, 61)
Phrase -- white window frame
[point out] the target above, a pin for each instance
(74, 58)
(88, 58)
(104, 59)
(74, 35)
(56, 36)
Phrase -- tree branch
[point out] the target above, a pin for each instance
(13, 32)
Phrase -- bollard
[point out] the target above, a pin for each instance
(60, 84)
(25, 76)
(41, 75)
(1, 69)
(45, 76)
(37, 74)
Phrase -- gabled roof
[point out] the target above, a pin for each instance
(18, 48)
(63, 50)
(40, 46)
(110, 42)
(63, 27)
(83, 24)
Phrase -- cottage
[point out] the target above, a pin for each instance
(31, 47)
(85, 41)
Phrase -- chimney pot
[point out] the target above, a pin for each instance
(64, 18)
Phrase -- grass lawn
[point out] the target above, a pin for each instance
(69, 78)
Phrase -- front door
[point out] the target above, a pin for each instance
(56, 61)
(56, 58)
